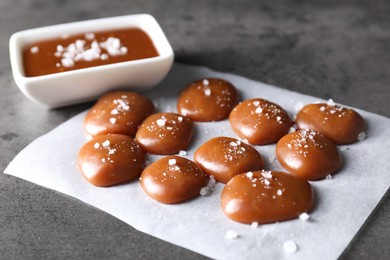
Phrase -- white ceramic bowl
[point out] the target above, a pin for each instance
(71, 87)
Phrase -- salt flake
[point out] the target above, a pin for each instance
(231, 234)
(361, 136)
(34, 49)
(172, 161)
(304, 216)
(290, 247)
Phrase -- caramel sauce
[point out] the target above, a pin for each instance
(72, 52)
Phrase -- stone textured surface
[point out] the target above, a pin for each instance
(330, 49)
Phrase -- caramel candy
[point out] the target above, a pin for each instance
(265, 197)
(207, 100)
(173, 179)
(117, 113)
(259, 121)
(107, 160)
(224, 157)
(340, 124)
(308, 154)
(165, 133)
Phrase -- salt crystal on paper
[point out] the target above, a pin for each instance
(204, 191)
(182, 153)
(328, 177)
(290, 247)
(254, 224)
(361, 136)
(231, 234)
(304, 216)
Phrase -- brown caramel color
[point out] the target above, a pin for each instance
(259, 121)
(165, 133)
(207, 100)
(173, 179)
(225, 157)
(340, 124)
(117, 113)
(111, 159)
(308, 154)
(266, 197)
(44, 61)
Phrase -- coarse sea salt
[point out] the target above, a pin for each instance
(231, 234)
(172, 161)
(304, 216)
(266, 174)
(112, 120)
(34, 49)
(80, 50)
(182, 153)
(161, 122)
(361, 136)
(254, 224)
(290, 247)
(204, 191)
(206, 82)
(331, 103)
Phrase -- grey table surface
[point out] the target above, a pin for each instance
(329, 49)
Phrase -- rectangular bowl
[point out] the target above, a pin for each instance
(77, 86)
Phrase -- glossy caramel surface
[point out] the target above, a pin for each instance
(110, 159)
(340, 124)
(118, 112)
(165, 133)
(172, 179)
(225, 157)
(266, 197)
(208, 99)
(259, 121)
(308, 154)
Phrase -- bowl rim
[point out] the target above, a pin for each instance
(21, 38)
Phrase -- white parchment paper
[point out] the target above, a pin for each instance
(342, 203)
